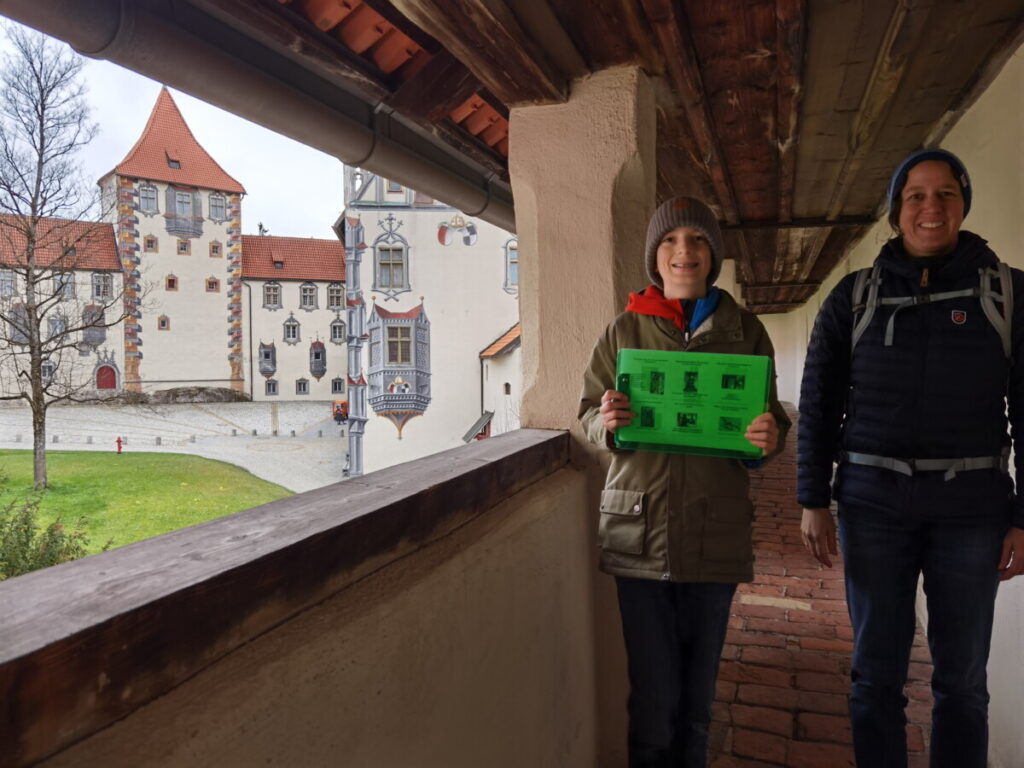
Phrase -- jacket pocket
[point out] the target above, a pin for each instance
(728, 529)
(623, 521)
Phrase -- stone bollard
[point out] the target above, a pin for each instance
(88, 439)
(159, 440)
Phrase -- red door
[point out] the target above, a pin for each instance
(106, 378)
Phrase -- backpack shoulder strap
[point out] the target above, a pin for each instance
(1002, 321)
(869, 278)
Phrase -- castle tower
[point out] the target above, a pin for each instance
(177, 218)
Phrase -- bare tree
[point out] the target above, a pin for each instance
(60, 278)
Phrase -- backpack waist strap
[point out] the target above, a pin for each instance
(910, 467)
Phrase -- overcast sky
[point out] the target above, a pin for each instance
(293, 189)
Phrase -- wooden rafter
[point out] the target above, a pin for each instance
(681, 60)
(486, 36)
(789, 58)
(443, 84)
(901, 38)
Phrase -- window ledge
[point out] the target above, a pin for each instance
(85, 643)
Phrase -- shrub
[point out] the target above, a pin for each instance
(24, 547)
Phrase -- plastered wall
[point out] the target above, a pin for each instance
(475, 651)
(990, 141)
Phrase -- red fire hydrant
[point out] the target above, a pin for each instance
(119, 443)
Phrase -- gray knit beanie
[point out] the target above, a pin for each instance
(683, 212)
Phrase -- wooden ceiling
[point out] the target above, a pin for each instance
(787, 115)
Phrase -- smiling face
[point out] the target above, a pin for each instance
(684, 263)
(931, 209)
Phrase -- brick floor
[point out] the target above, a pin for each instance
(782, 691)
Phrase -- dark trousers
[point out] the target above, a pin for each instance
(957, 550)
(674, 635)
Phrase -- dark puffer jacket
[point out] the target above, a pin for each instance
(940, 390)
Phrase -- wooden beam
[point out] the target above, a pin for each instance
(443, 84)
(789, 58)
(673, 36)
(764, 286)
(486, 36)
(403, 25)
(902, 36)
(818, 223)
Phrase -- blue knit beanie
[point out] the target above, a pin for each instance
(899, 178)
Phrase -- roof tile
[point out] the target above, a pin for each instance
(93, 243)
(505, 343)
(166, 138)
(301, 258)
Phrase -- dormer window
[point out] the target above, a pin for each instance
(278, 265)
(172, 163)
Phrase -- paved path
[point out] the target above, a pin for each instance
(785, 675)
(221, 431)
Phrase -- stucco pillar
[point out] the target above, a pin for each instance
(583, 175)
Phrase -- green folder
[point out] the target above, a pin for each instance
(692, 402)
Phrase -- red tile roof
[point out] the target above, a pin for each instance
(301, 258)
(93, 243)
(167, 138)
(506, 343)
(407, 315)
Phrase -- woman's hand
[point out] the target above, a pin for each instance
(1012, 562)
(818, 530)
(763, 433)
(615, 410)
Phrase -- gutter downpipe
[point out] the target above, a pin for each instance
(120, 32)
(252, 381)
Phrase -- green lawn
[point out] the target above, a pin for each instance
(136, 495)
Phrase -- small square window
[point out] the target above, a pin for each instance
(163, 323)
(185, 247)
(171, 283)
(151, 244)
(212, 285)
(394, 186)
(271, 387)
(215, 250)
(337, 386)
(302, 386)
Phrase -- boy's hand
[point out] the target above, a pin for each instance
(615, 410)
(763, 433)
(818, 530)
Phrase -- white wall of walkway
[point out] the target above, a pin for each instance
(990, 141)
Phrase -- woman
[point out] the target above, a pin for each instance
(675, 529)
(908, 372)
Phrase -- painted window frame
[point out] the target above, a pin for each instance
(184, 204)
(188, 246)
(338, 385)
(102, 286)
(64, 285)
(270, 388)
(216, 198)
(143, 190)
(8, 283)
(338, 338)
(382, 267)
(212, 285)
(146, 241)
(276, 288)
(171, 283)
(302, 386)
(335, 296)
(403, 340)
(216, 244)
(163, 323)
(292, 323)
(309, 290)
(44, 366)
(511, 284)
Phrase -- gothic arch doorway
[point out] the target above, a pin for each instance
(106, 377)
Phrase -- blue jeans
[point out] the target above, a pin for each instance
(956, 545)
(674, 635)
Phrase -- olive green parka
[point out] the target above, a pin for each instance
(675, 517)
